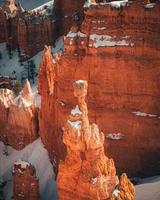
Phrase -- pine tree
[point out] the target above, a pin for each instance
(17, 87)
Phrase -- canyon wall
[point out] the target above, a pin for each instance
(35, 31)
(19, 117)
(117, 51)
(25, 182)
(26, 30)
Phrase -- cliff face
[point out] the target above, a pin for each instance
(32, 36)
(9, 16)
(86, 172)
(25, 182)
(25, 29)
(19, 118)
(117, 52)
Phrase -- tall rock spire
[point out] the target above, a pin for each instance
(26, 93)
(125, 189)
(46, 72)
(86, 172)
(25, 182)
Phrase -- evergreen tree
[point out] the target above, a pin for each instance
(0, 55)
(17, 87)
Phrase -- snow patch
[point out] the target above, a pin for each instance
(107, 41)
(75, 124)
(143, 114)
(150, 5)
(115, 136)
(80, 82)
(76, 111)
(113, 4)
(44, 8)
(116, 192)
(118, 4)
(23, 164)
(76, 34)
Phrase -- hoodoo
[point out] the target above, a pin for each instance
(25, 182)
(86, 173)
(19, 122)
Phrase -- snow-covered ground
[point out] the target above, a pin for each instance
(149, 190)
(35, 154)
(13, 68)
(30, 4)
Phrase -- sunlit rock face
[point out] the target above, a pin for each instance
(86, 172)
(117, 52)
(125, 189)
(19, 117)
(25, 182)
(49, 111)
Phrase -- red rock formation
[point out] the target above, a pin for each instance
(125, 189)
(10, 14)
(32, 36)
(47, 88)
(86, 172)
(25, 182)
(19, 118)
(25, 29)
(5, 82)
(6, 97)
(123, 77)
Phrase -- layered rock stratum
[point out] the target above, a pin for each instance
(19, 117)
(117, 52)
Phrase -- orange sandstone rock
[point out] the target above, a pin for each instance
(117, 52)
(125, 189)
(86, 172)
(25, 182)
(19, 117)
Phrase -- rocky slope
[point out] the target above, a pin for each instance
(117, 52)
(86, 172)
(25, 182)
(19, 117)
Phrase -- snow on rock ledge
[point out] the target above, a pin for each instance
(143, 114)
(113, 4)
(22, 164)
(115, 136)
(118, 4)
(150, 5)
